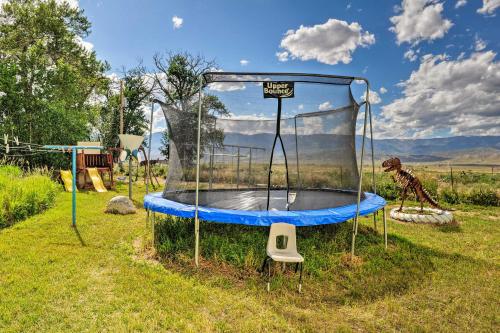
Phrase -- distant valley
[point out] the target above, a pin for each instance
(457, 149)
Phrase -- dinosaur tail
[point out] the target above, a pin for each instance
(431, 201)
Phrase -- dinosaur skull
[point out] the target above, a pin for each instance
(392, 164)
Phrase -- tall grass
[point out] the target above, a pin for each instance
(24, 194)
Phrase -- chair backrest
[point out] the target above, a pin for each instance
(282, 229)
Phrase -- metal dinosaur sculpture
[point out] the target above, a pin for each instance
(406, 179)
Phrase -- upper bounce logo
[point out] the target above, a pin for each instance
(279, 89)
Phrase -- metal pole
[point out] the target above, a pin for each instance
(374, 186)
(385, 227)
(196, 219)
(355, 225)
(121, 107)
(250, 168)
(149, 147)
(73, 185)
(299, 185)
(130, 177)
(211, 163)
(238, 169)
(153, 222)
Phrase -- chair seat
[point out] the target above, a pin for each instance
(285, 256)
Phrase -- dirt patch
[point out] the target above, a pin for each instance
(144, 253)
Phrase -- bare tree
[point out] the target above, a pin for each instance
(177, 81)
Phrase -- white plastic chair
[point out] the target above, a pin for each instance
(287, 254)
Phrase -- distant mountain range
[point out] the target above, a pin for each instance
(464, 149)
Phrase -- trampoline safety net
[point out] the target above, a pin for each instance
(268, 142)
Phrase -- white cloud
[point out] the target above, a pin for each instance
(330, 43)
(86, 45)
(411, 55)
(479, 44)
(460, 3)
(159, 122)
(301, 107)
(282, 56)
(177, 22)
(325, 106)
(420, 20)
(71, 3)
(383, 90)
(489, 7)
(374, 97)
(226, 86)
(459, 97)
(244, 62)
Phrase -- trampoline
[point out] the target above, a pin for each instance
(241, 214)
(260, 148)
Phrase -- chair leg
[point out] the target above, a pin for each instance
(300, 278)
(262, 269)
(269, 275)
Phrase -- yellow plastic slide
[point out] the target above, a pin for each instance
(96, 180)
(67, 179)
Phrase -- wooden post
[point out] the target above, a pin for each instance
(451, 177)
(341, 182)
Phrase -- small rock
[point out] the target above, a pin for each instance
(121, 205)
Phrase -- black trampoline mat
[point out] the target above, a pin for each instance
(256, 199)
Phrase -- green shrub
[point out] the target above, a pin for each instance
(388, 190)
(431, 186)
(22, 197)
(483, 197)
(450, 196)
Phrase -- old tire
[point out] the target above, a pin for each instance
(437, 216)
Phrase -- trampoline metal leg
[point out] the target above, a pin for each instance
(354, 232)
(197, 240)
(153, 216)
(375, 221)
(385, 227)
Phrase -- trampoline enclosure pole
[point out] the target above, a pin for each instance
(196, 219)
(299, 185)
(356, 219)
(374, 187)
(130, 178)
(73, 187)
(148, 172)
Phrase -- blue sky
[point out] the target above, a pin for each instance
(439, 39)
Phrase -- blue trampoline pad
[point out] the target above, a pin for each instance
(301, 218)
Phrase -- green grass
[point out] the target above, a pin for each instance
(101, 276)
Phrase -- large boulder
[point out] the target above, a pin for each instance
(121, 205)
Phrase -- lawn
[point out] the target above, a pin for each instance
(102, 276)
